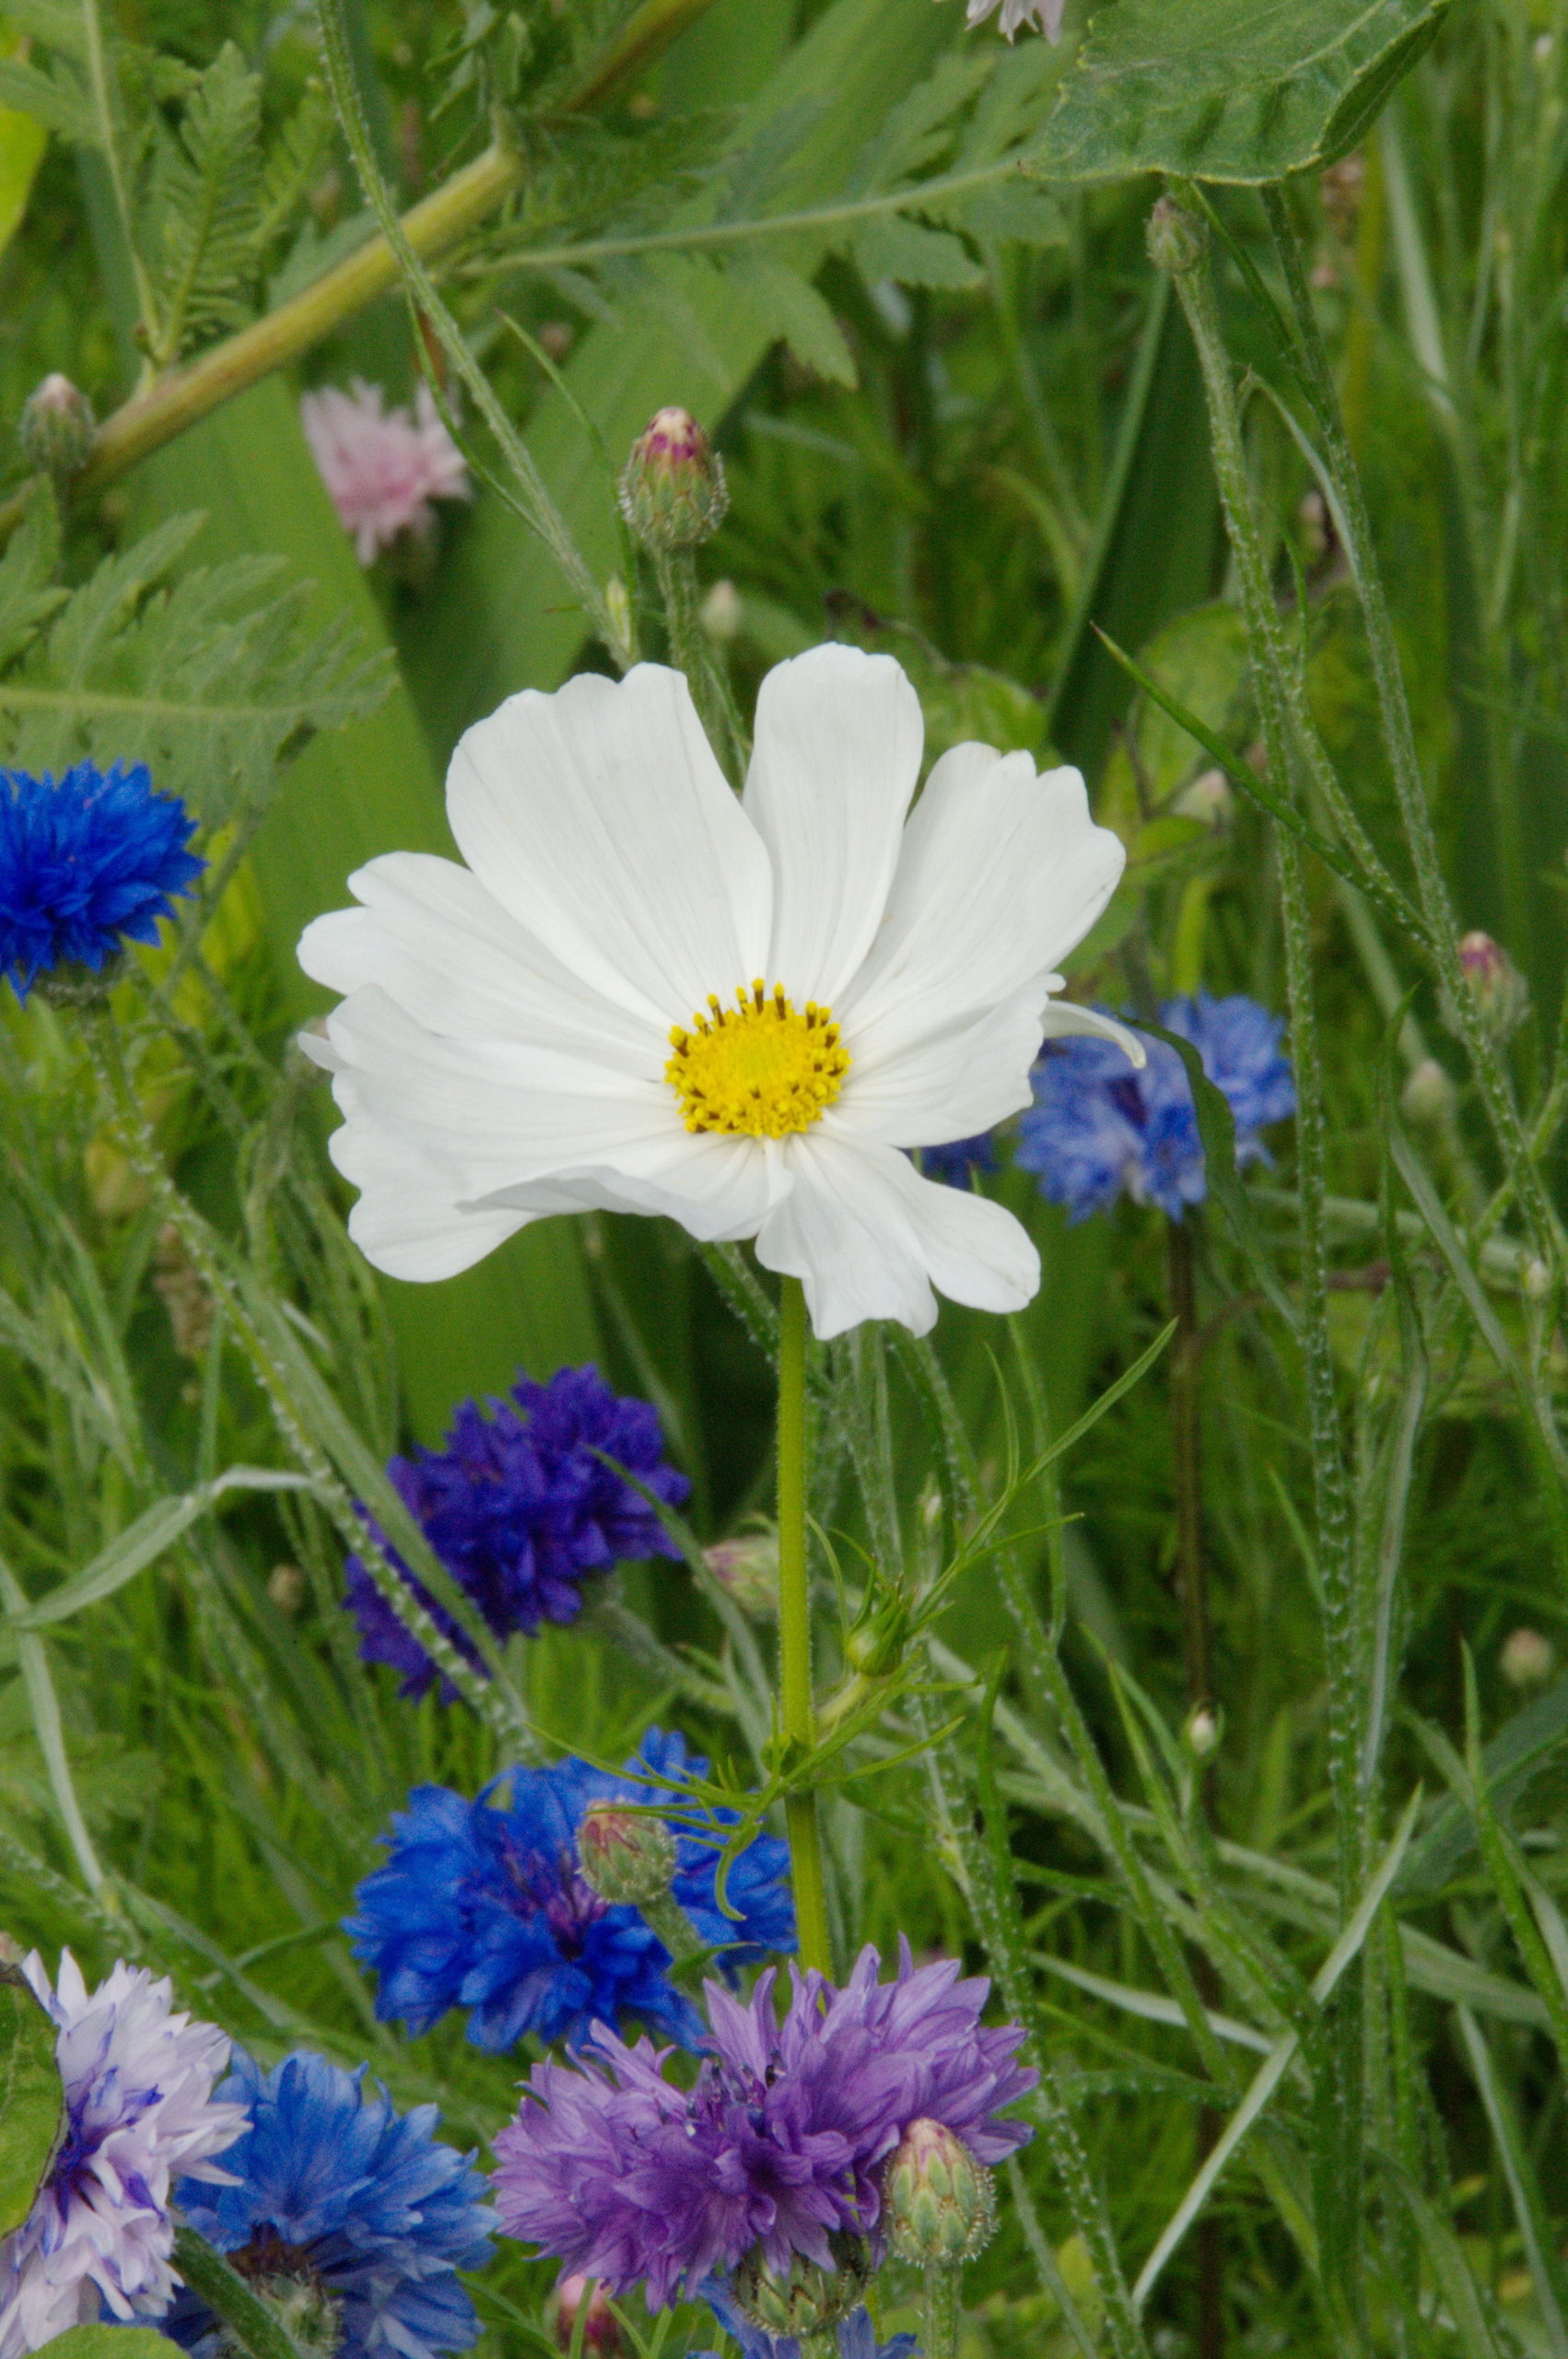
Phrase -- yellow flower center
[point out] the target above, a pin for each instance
(760, 1069)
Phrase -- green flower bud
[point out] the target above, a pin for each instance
(1428, 1097)
(939, 2202)
(672, 491)
(57, 428)
(1496, 985)
(628, 1857)
(1176, 238)
(808, 2298)
(1202, 1732)
(747, 1566)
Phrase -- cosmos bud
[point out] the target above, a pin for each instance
(628, 1857)
(1527, 1659)
(1175, 238)
(672, 491)
(747, 1567)
(56, 428)
(1496, 985)
(939, 2202)
(602, 2335)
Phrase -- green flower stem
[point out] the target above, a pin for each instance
(797, 1712)
(158, 413)
(252, 2325)
(941, 2320)
(675, 570)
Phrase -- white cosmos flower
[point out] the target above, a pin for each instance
(645, 994)
(1047, 14)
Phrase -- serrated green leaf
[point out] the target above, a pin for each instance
(32, 2098)
(1016, 210)
(901, 250)
(1244, 91)
(108, 2342)
(791, 307)
(54, 99)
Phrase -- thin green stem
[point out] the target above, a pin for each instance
(797, 1712)
(941, 2312)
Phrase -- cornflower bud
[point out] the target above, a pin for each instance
(808, 2298)
(1428, 1096)
(747, 1566)
(602, 2335)
(1177, 239)
(940, 2202)
(56, 428)
(1496, 985)
(628, 1857)
(672, 491)
(1527, 1659)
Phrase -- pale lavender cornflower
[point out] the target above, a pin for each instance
(778, 2148)
(138, 2081)
(381, 468)
(1047, 14)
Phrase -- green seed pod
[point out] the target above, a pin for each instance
(672, 491)
(940, 2204)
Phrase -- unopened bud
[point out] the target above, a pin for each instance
(1535, 1279)
(1208, 797)
(673, 492)
(1496, 985)
(1177, 239)
(628, 1857)
(1202, 1732)
(285, 1587)
(876, 1646)
(1527, 1659)
(747, 1566)
(601, 2334)
(722, 612)
(939, 2202)
(1428, 1096)
(56, 428)
(807, 2298)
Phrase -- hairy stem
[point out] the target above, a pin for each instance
(796, 1711)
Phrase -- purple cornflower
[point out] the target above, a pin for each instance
(1099, 1129)
(87, 862)
(522, 1509)
(956, 1163)
(777, 2147)
(483, 1905)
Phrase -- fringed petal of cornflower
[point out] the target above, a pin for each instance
(381, 468)
(339, 2202)
(483, 1905)
(523, 1505)
(644, 995)
(1098, 1130)
(778, 2146)
(138, 2081)
(88, 862)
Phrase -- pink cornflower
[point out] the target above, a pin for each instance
(382, 467)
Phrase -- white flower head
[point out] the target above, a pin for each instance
(138, 2083)
(1047, 14)
(381, 468)
(646, 994)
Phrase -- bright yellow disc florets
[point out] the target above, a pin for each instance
(760, 1069)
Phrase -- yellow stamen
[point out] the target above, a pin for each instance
(758, 1070)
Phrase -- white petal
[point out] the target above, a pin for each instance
(718, 1189)
(868, 1238)
(838, 740)
(1063, 1017)
(950, 1087)
(1000, 874)
(447, 953)
(600, 819)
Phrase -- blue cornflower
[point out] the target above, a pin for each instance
(86, 865)
(1098, 1127)
(955, 1165)
(857, 2335)
(354, 2217)
(522, 1509)
(483, 1905)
